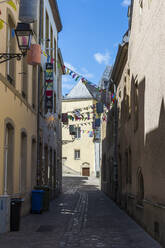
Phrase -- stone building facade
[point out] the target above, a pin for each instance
(139, 77)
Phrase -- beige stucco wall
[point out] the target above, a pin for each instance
(13, 106)
(146, 59)
(147, 56)
(84, 144)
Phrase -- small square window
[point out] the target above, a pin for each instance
(77, 154)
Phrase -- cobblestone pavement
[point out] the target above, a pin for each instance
(82, 217)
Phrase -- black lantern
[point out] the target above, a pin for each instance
(24, 35)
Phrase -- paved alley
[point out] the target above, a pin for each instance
(82, 217)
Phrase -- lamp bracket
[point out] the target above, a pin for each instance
(8, 56)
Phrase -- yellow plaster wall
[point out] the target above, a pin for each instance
(15, 107)
(85, 144)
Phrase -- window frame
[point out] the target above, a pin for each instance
(77, 151)
(78, 132)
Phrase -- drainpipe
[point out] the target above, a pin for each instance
(38, 108)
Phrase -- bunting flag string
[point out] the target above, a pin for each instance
(76, 76)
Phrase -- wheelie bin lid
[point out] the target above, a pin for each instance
(17, 200)
(37, 191)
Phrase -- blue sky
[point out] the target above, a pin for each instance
(92, 30)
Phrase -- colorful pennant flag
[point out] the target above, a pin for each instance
(1, 24)
(12, 4)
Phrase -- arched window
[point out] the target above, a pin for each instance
(33, 162)
(104, 176)
(34, 87)
(140, 189)
(24, 78)
(55, 169)
(46, 165)
(9, 158)
(136, 107)
(50, 168)
(11, 48)
(23, 169)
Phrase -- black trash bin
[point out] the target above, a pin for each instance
(15, 214)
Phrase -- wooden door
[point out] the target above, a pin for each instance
(86, 172)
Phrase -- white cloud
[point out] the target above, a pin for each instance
(126, 3)
(66, 79)
(67, 87)
(86, 74)
(102, 58)
(70, 66)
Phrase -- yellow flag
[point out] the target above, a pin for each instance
(12, 4)
(1, 24)
(44, 54)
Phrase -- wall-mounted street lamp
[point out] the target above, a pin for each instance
(23, 34)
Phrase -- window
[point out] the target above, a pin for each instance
(9, 158)
(136, 107)
(34, 86)
(55, 105)
(77, 154)
(33, 162)
(41, 90)
(50, 169)
(42, 22)
(140, 189)
(54, 170)
(23, 169)
(141, 6)
(128, 159)
(51, 42)
(11, 48)
(78, 132)
(55, 48)
(104, 174)
(45, 172)
(24, 78)
(47, 33)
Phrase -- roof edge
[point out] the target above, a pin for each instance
(56, 14)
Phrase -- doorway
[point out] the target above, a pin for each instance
(86, 172)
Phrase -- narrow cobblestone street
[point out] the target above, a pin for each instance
(81, 217)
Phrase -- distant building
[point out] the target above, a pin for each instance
(78, 151)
